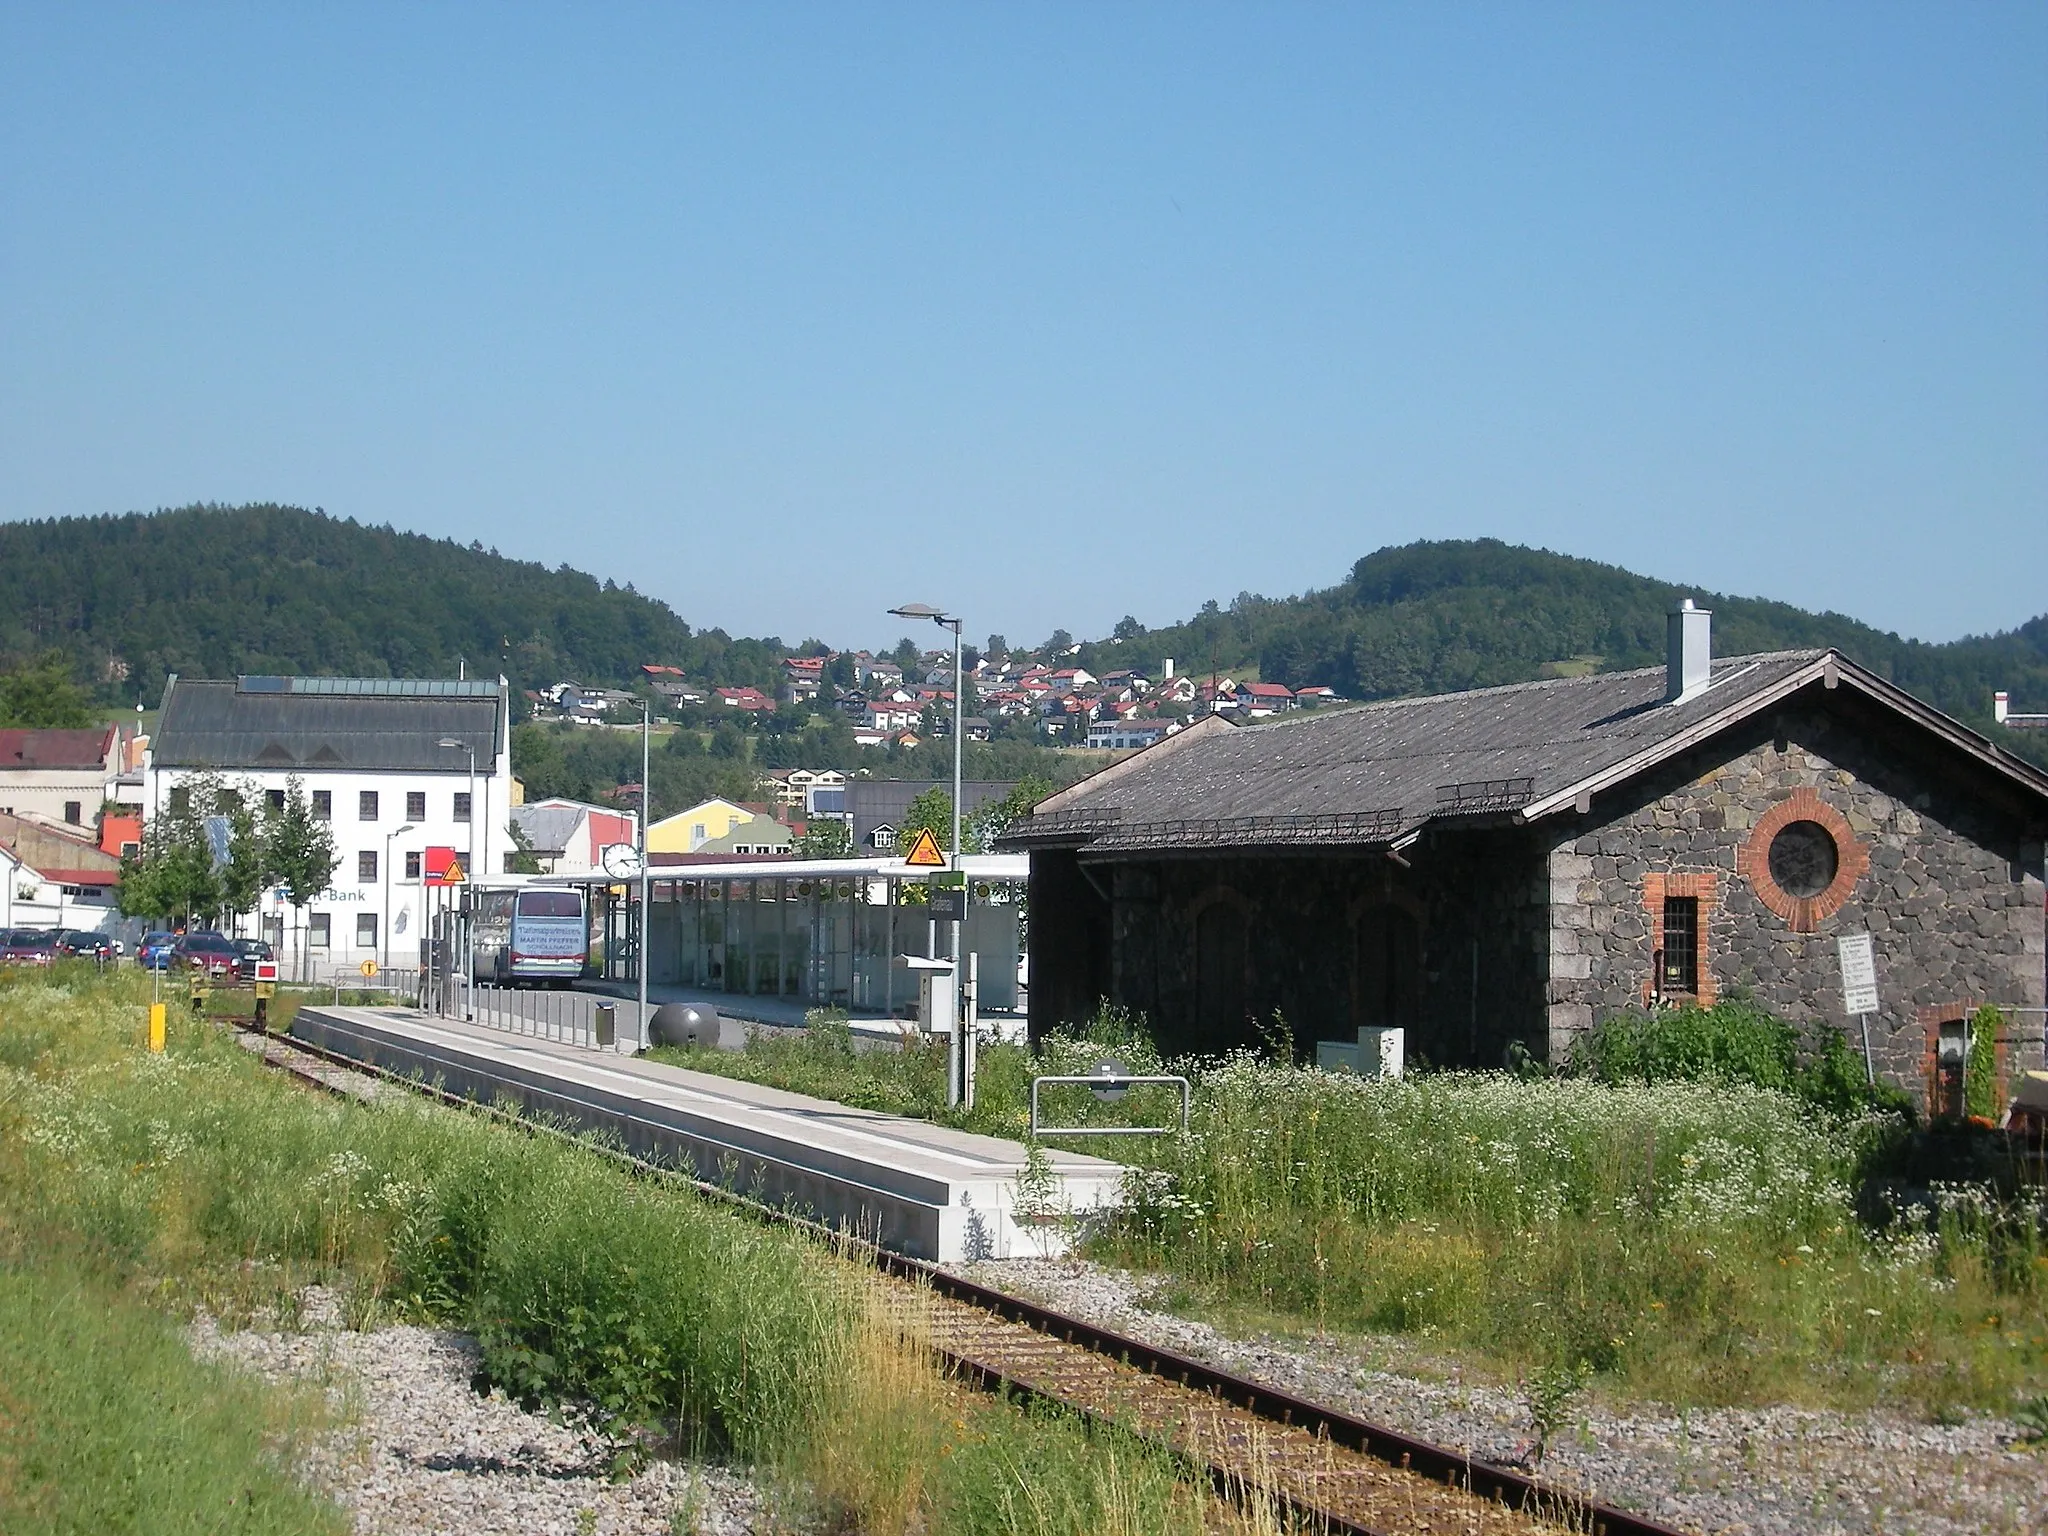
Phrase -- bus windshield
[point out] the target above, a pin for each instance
(550, 904)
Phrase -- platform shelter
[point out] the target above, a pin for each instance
(831, 933)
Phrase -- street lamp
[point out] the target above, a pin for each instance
(938, 616)
(640, 958)
(469, 853)
(394, 832)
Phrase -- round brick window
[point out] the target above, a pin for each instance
(1803, 858)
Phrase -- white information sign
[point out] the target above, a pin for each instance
(1859, 973)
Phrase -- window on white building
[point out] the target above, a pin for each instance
(462, 806)
(323, 805)
(366, 930)
(317, 929)
(366, 865)
(366, 805)
(416, 805)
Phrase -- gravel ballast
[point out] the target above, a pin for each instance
(421, 1452)
(1744, 1471)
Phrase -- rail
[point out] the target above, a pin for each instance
(1239, 1465)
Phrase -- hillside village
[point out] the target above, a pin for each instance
(1015, 696)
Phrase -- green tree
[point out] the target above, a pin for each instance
(301, 855)
(825, 838)
(931, 811)
(522, 861)
(992, 820)
(172, 876)
(248, 871)
(40, 693)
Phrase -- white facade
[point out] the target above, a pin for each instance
(407, 795)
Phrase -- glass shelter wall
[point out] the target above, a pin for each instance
(826, 940)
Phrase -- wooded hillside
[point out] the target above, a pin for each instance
(215, 591)
(1434, 617)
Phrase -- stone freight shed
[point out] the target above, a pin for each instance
(1505, 867)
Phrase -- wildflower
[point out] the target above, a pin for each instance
(1872, 1312)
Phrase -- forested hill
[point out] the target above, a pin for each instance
(1434, 617)
(215, 591)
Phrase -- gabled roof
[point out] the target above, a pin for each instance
(1376, 774)
(390, 724)
(53, 750)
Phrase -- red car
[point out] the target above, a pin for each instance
(27, 946)
(213, 954)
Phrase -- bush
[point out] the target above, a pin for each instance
(1735, 1041)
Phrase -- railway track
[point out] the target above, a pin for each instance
(1320, 1468)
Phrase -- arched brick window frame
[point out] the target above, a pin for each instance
(1753, 860)
(1703, 886)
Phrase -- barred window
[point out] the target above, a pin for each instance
(1679, 965)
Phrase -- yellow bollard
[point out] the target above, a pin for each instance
(156, 1027)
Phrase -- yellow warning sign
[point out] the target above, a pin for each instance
(369, 969)
(454, 876)
(924, 851)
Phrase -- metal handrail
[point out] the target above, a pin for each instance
(1111, 1084)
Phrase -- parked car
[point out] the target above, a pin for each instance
(26, 946)
(247, 953)
(211, 954)
(154, 951)
(86, 944)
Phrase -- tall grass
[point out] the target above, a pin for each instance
(632, 1302)
(1695, 1241)
(109, 1427)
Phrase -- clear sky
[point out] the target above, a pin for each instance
(1050, 313)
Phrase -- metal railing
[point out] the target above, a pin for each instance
(568, 1018)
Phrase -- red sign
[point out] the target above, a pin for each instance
(442, 866)
(266, 970)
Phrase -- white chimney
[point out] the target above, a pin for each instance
(2001, 706)
(1688, 652)
(1169, 676)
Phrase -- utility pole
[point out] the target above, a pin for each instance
(646, 738)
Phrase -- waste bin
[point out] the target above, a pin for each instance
(607, 1025)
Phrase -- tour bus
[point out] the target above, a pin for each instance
(528, 935)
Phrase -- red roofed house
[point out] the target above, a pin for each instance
(1264, 698)
(61, 774)
(745, 698)
(50, 873)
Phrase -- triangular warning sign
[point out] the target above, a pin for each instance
(454, 875)
(924, 851)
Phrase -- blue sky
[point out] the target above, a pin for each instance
(787, 314)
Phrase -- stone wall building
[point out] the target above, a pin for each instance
(1496, 871)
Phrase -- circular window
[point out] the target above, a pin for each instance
(1803, 858)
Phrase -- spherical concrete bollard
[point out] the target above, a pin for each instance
(691, 1024)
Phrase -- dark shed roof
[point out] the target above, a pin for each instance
(391, 724)
(54, 748)
(1375, 775)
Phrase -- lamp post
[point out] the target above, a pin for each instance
(939, 617)
(386, 934)
(468, 853)
(959, 1055)
(640, 959)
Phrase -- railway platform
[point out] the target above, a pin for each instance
(914, 1187)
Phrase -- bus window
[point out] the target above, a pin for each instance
(550, 904)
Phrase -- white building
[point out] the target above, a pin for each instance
(1130, 735)
(395, 766)
(61, 774)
